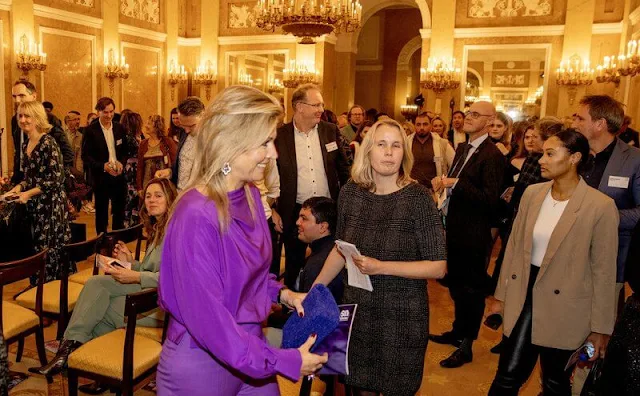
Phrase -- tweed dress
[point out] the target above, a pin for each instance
(389, 335)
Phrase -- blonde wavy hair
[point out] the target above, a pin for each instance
(241, 118)
(35, 110)
(362, 170)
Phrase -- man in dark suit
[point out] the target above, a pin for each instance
(311, 164)
(190, 111)
(104, 152)
(473, 188)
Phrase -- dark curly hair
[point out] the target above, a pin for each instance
(155, 228)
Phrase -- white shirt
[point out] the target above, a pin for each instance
(312, 179)
(269, 186)
(111, 143)
(548, 218)
(458, 137)
(187, 154)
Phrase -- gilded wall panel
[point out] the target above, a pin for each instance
(608, 11)
(485, 13)
(141, 91)
(70, 84)
(237, 19)
(85, 3)
(85, 7)
(144, 10)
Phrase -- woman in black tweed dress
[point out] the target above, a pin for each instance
(394, 223)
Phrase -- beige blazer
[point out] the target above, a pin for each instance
(574, 293)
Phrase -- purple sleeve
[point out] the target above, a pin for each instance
(273, 287)
(197, 279)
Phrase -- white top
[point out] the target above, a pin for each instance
(548, 218)
(312, 179)
(458, 137)
(187, 154)
(111, 143)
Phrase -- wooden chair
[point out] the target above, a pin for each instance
(126, 235)
(60, 296)
(17, 322)
(121, 359)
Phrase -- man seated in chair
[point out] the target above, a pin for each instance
(100, 306)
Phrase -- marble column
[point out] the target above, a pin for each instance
(111, 40)
(442, 27)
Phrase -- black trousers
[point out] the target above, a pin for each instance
(467, 285)
(276, 246)
(519, 357)
(112, 189)
(294, 251)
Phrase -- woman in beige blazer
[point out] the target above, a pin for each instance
(557, 283)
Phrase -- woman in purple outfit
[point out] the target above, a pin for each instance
(215, 281)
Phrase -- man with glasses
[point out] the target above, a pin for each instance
(311, 164)
(356, 118)
(473, 188)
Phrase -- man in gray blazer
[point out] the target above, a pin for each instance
(615, 171)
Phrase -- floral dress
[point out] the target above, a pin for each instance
(132, 202)
(47, 211)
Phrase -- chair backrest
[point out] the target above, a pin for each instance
(136, 303)
(82, 250)
(14, 271)
(128, 235)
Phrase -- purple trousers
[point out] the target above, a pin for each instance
(186, 369)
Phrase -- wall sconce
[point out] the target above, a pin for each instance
(115, 68)
(300, 73)
(29, 56)
(275, 86)
(245, 78)
(176, 75)
(574, 73)
(205, 75)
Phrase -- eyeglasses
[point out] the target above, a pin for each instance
(474, 115)
(318, 106)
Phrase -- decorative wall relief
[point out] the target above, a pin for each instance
(144, 10)
(510, 79)
(241, 15)
(509, 8)
(86, 3)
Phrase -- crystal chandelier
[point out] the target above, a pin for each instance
(300, 73)
(245, 78)
(176, 75)
(440, 75)
(205, 75)
(629, 64)
(409, 111)
(608, 71)
(275, 86)
(114, 67)
(309, 19)
(29, 56)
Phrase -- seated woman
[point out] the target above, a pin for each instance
(100, 306)
(557, 283)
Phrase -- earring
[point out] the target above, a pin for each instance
(226, 169)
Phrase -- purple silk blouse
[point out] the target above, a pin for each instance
(217, 287)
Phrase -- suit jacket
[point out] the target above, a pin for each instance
(175, 167)
(335, 167)
(95, 152)
(574, 292)
(474, 201)
(624, 162)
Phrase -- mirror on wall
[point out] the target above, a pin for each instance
(511, 77)
(263, 71)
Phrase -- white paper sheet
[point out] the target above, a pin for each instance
(355, 278)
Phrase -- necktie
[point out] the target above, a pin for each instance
(461, 160)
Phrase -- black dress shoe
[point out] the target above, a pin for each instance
(493, 321)
(447, 338)
(497, 349)
(57, 364)
(458, 358)
(94, 388)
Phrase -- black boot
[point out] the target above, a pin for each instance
(94, 388)
(460, 356)
(497, 349)
(59, 362)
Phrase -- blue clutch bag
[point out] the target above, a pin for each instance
(321, 316)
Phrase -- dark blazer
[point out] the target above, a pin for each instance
(624, 162)
(175, 166)
(335, 166)
(95, 152)
(475, 199)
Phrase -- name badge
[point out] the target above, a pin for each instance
(333, 146)
(118, 142)
(618, 182)
(166, 160)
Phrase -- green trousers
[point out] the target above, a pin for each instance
(100, 309)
